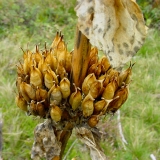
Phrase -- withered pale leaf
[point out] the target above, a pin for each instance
(45, 143)
(113, 26)
(86, 136)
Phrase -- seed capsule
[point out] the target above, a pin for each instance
(118, 102)
(99, 105)
(48, 59)
(30, 90)
(93, 120)
(87, 83)
(65, 87)
(56, 113)
(50, 78)
(61, 70)
(109, 91)
(33, 109)
(125, 76)
(41, 94)
(75, 99)
(42, 65)
(105, 64)
(54, 62)
(37, 55)
(18, 82)
(21, 102)
(56, 40)
(93, 58)
(26, 63)
(92, 68)
(95, 88)
(113, 74)
(55, 95)
(68, 65)
(87, 105)
(36, 77)
(41, 109)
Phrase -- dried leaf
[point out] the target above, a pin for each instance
(87, 138)
(45, 144)
(114, 26)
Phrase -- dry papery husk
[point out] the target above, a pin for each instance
(90, 140)
(45, 142)
(115, 26)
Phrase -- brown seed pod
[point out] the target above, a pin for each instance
(61, 70)
(42, 65)
(99, 105)
(55, 95)
(92, 68)
(122, 95)
(125, 76)
(95, 88)
(93, 58)
(18, 82)
(36, 77)
(75, 99)
(98, 70)
(93, 120)
(54, 62)
(105, 79)
(50, 78)
(56, 113)
(87, 105)
(41, 109)
(37, 56)
(68, 64)
(23, 92)
(113, 74)
(30, 90)
(33, 108)
(109, 91)
(26, 64)
(41, 94)
(65, 87)
(21, 102)
(48, 59)
(56, 40)
(61, 51)
(105, 64)
(87, 83)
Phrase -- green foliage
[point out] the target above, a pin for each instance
(151, 13)
(29, 22)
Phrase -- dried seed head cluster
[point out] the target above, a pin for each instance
(45, 88)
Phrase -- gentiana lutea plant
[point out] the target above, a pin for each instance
(75, 89)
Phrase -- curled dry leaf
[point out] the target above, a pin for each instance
(87, 138)
(114, 26)
(45, 143)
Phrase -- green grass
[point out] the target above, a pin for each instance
(140, 115)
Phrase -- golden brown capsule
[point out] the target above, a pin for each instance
(95, 88)
(29, 91)
(113, 74)
(48, 59)
(42, 65)
(122, 95)
(54, 62)
(61, 51)
(56, 40)
(21, 102)
(125, 76)
(87, 105)
(93, 58)
(65, 87)
(18, 82)
(61, 70)
(87, 83)
(105, 64)
(26, 65)
(41, 94)
(55, 95)
(33, 109)
(75, 99)
(105, 78)
(36, 77)
(23, 92)
(99, 105)
(93, 120)
(56, 113)
(68, 64)
(109, 91)
(92, 68)
(37, 56)
(41, 109)
(50, 78)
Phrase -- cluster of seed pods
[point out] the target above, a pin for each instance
(45, 87)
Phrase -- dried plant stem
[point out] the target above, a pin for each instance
(65, 135)
(80, 58)
(120, 129)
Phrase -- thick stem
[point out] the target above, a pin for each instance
(65, 135)
(80, 58)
